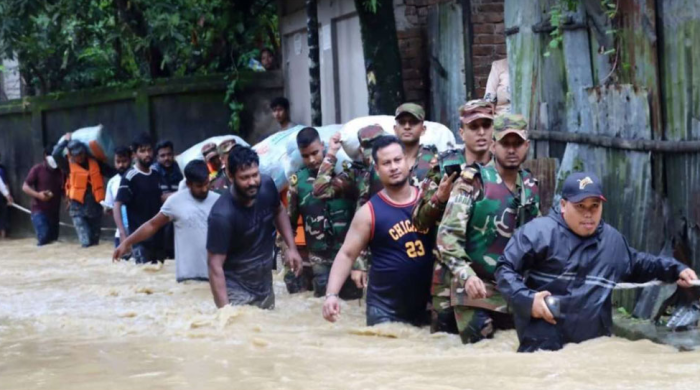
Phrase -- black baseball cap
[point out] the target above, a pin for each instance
(581, 185)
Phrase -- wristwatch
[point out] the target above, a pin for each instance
(331, 295)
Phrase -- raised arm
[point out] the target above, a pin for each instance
(435, 192)
(58, 156)
(355, 241)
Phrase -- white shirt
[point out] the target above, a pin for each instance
(3, 189)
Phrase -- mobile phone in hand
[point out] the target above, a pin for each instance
(450, 169)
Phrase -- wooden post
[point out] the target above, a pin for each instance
(382, 57)
(314, 62)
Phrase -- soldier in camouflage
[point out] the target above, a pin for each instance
(359, 181)
(476, 131)
(409, 127)
(326, 221)
(486, 205)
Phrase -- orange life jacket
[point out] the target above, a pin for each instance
(79, 179)
(299, 238)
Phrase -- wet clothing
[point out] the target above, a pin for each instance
(325, 224)
(46, 228)
(399, 279)
(45, 215)
(246, 236)
(481, 216)
(4, 217)
(140, 193)
(87, 214)
(581, 271)
(474, 325)
(189, 216)
(87, 227)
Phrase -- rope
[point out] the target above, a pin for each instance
(629, 286)
(26, 211)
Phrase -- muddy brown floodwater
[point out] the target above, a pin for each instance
(70, 319)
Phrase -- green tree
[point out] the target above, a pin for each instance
(66, 45)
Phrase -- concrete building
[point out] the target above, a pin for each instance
(343, 85)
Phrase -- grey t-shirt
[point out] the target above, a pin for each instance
(189, 215)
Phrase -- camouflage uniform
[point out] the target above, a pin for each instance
(427, 154)
(429, 210)
(358, 181)
(326, 222)
(481, 215)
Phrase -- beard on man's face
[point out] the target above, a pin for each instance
(249, 192)
(145, 162)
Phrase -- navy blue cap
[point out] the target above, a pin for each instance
(581, 185)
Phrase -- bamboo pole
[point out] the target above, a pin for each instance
(640, 145)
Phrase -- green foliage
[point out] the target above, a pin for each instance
(66, 45)
(556, 18)
(371, 5)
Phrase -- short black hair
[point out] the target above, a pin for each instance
(140, 140)
(280, 102)
(306, 137)
(164, 145)
(48, 150)
(267, 49)
(241, 157)
(384, 141)
(122, 151)
(196, 171)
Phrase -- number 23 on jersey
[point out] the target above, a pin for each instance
(415, 249)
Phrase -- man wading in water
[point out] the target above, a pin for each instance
(399, 279)
(240, 236)
(576, 258)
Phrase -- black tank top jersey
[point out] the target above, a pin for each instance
(402, 261)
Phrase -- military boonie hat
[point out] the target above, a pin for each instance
(509, 124)
(209, 150)
(368, 134)
(226, 146)
(410, 108)
(582, 185)
(476, 109)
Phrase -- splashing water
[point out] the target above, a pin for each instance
(70, 319)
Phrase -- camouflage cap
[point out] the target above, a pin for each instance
(509, 124)
(226, 146)
(411, 108)
(368, 134)
(209, 150)
(476, 109)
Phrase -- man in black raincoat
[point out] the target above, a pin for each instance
(578, 259)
